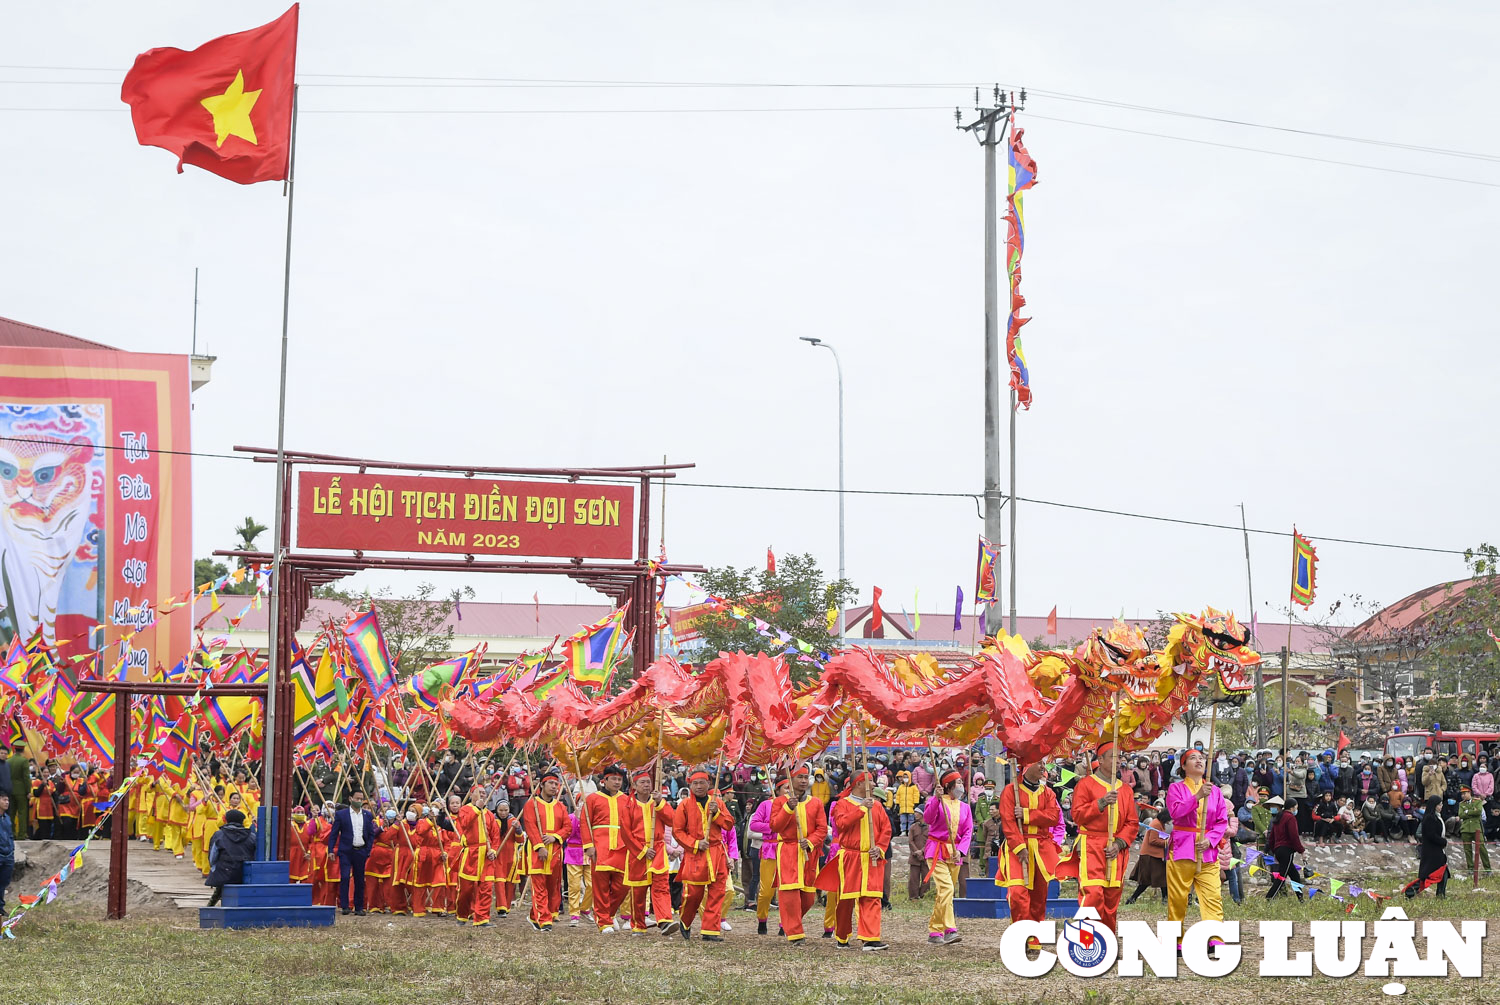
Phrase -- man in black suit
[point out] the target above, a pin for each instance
(352, 835)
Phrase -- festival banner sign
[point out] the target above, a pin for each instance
(465, 516)
(95, 501)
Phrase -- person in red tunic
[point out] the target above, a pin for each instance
(1104, 810)
(429, 894)
(479, 846)
(800, 822)
(298, 856)
(452, 850)
(699, 823)
(547, 826)
(404, 896)
(506, 868)
(325, 893)
(603, 822)
(382, 863)
(647, 877)
(1028, 860)
(857, 872)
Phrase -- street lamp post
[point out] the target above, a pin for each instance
(817, 342)
(839, 367)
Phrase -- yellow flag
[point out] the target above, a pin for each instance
(324, 694)
(833, 618)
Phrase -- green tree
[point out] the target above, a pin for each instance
(795, 600)
(414, 627)
(206, 570)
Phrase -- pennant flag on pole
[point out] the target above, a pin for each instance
(958, 609)
(877, 616)
(325, 694)
(1022, 177)
(426, 686)
(590, 655)
(770, 561)
(304, 700)
(225, 106)
(1304, 569)
(367, 650)
(1052, 621)
(96, 727)
(916, 600)
(984, 580)
(13, 673)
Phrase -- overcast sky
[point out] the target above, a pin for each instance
(1211, 325)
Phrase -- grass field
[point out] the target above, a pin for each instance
(159, 957)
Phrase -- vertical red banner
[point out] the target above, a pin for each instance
(95, 501)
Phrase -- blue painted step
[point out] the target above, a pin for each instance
(268, 895)
(969, 907)
(985, 889)
(268, 872)
(265, 917)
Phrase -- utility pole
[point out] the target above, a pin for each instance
(989, 130)
(195, 310)
(1260, 694)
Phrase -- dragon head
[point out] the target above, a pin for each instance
(1217, 645)
(1119, 658)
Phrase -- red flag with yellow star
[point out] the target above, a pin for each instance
(226, 106)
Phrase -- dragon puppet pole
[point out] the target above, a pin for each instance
(1213, 719)
(1115, 747)
(661, 715)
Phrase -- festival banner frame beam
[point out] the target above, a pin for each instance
(119, 841)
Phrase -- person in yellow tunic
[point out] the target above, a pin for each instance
(211, 812)
(820, 788)
(907, 798)
(193, 838)
(161, 812)
(177, 817)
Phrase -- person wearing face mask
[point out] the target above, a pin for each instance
(1239, 782)
(405, 895)
(1200, 816)
(547, 826)
(382, 863)
(315, 833)
(1369, 784)
(1404, 774)
(1299, 781)
(1471, 832)
(1284, 843)
(1385, 774)
(1347, 783)
(1483, 782)
(950, 829)
(1432, 855)
(299, 857)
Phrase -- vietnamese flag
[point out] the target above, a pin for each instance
(226, 106)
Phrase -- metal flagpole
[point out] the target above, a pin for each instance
(1260, 695)
(1012, 502)
(274, 642)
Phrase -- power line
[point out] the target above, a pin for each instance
(554, 111)
(1271, 153)
(1073, 506)
(816, 490)
(381, 81)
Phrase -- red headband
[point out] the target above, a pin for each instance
(949, 778)
(1105, 746)
(801, 770)
(700, 773)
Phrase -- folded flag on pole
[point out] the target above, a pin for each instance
(13, 672)
(426, 686)
(367, 650)
(96, 727)
(223, 716)
(225, 106)
(958, 609)
(984, 580)
(1304, 569)
(1022, 177)
(304, 699)
(590, 655)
